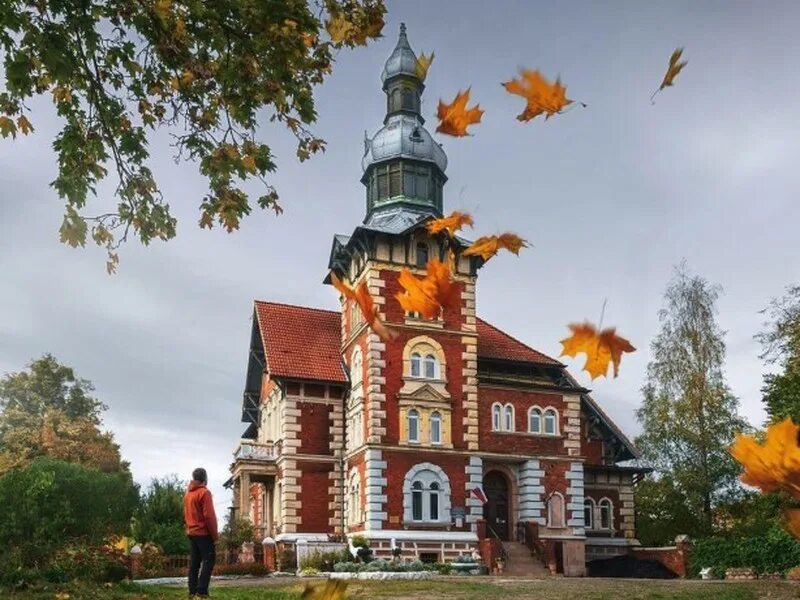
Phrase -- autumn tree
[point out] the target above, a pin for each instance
(208, 73)
(688, 415)
(781, 342)
(47, 410)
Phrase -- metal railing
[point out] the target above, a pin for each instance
(255, 451)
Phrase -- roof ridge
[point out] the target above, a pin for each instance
(322, 310)
(511, 337)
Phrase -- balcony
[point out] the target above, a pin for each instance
(254, 451)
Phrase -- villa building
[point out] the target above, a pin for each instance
(404, 440)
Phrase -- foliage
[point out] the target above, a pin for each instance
(51, 506)
(86, 563)
(253, 568)
(380, 565)
(600, 347)
(237, 532)
(771, 551)
(310, 571)
(346, 567)
(361, 296)
(662, 512)
(454, 118)
(326, 561)
(781, 343)
(689, 416)
(429, 295)
(748, 515)
(286, 558)
(47, 410)
(121, 71)
(159, 516)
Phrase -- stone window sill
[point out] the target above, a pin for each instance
(549, 436)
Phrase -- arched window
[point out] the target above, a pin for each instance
(422, 254)
(433, 502)
(416, 364)
(416, 500)
(508, 418)
(436, 428)
(426, 494)
(555, 510)
(535, 420)
(550, 421)
(413, 425)
(588, 513)
(431, 366)
(496, 417)
(356, 367)
(354, 504)
(606, 514)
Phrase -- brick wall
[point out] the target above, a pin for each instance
(519, 442)
(315, 512)
(315, 428)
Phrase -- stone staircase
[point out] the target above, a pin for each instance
(520, 563)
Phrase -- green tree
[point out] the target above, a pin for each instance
(662, 512)
(51, 504)
(208, 73)
(688, 415)
(781, 343)
(159, 516)
(47, 411)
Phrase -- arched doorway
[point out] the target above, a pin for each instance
(497, 509)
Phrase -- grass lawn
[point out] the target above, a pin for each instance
(440, 589)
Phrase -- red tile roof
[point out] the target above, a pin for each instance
(493, 343)
(301, 342)
(304, 343)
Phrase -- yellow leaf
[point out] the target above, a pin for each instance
(487, 246)
(455, 117)
(249, 163)
(61, 94)
(675, 66)
(543, 96)
(600, 348)
(24, 125)
(7, 127)
(332, 589)
(423, 64)
(775, 465)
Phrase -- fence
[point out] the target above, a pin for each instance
(229, 561)
(306, 549)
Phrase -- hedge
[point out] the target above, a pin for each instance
(773, 552)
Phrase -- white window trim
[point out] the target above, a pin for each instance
(610, 514)
(356, 367)
(505, 424)
(498, 425)
(416, 415)
(563, 510)
(592, 508)
(550, 411)
(541, 419)
(437, 417)
(426, 473)
(354, 489)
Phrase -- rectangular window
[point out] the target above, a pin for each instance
(434, 506)
(422, 182)
(394, 180)
(408, 183)
(416, 505)
(436, 430)
(383, 184)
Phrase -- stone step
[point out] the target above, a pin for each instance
(520, 562)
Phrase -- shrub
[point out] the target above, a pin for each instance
(415, 565)
(287, 559)
(309, 571)
(775, 551)
(376, 565)
(324, 561)
(346, 567)
(253, 568)
(86, 563)
(159, 516)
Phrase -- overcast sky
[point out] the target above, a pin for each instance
(612, 197)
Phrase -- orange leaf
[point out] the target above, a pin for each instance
(600, 348)
(332, 589)
(791, 521)
(452, 223)
(489, 245)
(362, 297)
(675, 66)
(543, 96)
(455, 117)
(775, 465)
(428, 295)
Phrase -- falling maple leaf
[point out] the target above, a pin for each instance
(423, 64)
(600, 348)
(362, 297)
(489, 245)
(675, 67)
(451, 223)
(332, 589)
(543, 96)
(428, 295)
(791, 521)
(455, 117)
(775, 465)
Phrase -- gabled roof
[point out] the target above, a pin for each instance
(496, 344)
(301, 342)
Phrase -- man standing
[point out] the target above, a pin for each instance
(201, 527)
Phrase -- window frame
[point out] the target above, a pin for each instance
(497, 417)
(588, 503)
(535, 411)
(550, 413)
(554, 496)
(436, 417)
(416, 360)
(606, 504)
(509, 418)
(413, 414)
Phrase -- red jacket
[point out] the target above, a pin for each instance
(198, 511)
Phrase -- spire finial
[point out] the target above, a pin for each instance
(402, 29)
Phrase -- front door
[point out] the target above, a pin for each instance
(496, 511)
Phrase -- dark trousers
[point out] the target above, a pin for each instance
(201, 564)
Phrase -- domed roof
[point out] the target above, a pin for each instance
(402, 61)
(403, 136)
